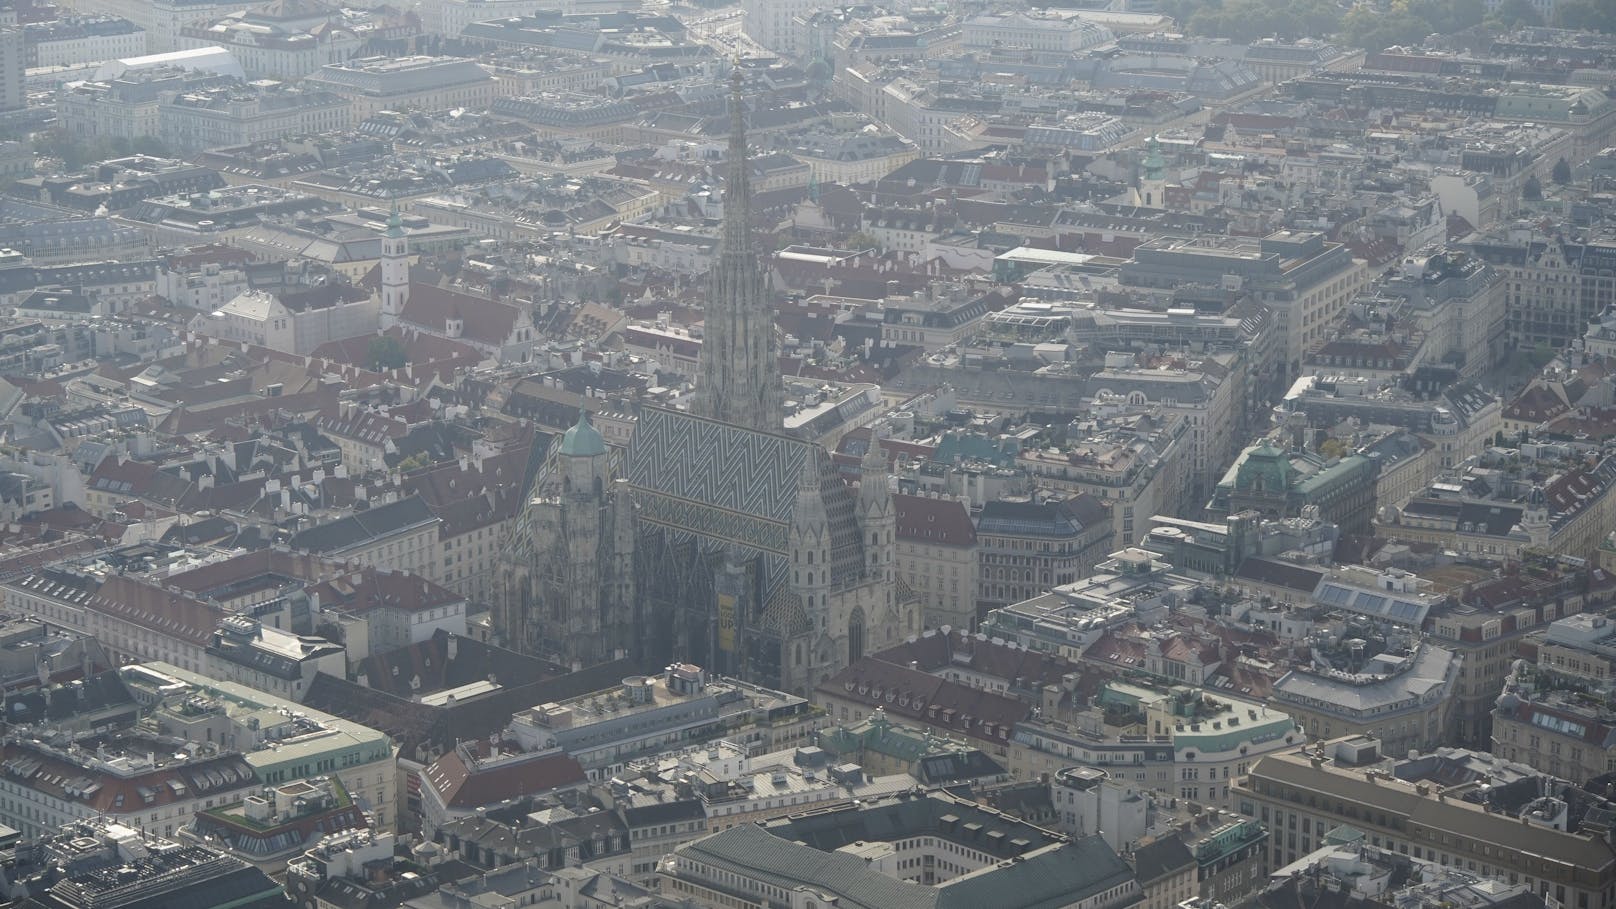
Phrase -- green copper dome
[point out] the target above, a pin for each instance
(582, 441)
(1265, 469)
(1155, 164)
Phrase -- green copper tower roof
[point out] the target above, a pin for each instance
(1155, 164)
(582, 440)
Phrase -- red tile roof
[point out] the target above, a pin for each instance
(383, 590)
(254, 564)
(465, 778)
(419, 349)
(128, 795)
(927, 699)
(1535, 405)
(484, 321)
(944, 522)
(958, 649)
(1115, 650)
(169, 614)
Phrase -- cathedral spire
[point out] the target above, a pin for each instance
(740, 366)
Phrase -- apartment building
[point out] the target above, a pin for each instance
(1458, 821)
(1402, 695)
(372, 84)
(281, 740)
(936, 556)
(1026, 547)
(1305, 279)
(401, 535)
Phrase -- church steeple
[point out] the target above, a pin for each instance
(395, 267)
(1154, 181)
(740, 366)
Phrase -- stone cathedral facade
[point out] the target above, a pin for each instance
(715, 538)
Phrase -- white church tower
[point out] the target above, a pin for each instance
(395, 271)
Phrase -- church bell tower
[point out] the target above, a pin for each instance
(740, 360)
(395, 268)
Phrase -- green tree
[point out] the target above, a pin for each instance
(150, 145)
(75, 153)
(1593, 15)
(1374, 32)
(1179, 10)
(1250, 20)
(1561, 173)
(1540, 355)
(862, 240)
(1465, 14)
(385, 352)
(1532, 189)
(1514, 14)
(1448, 16)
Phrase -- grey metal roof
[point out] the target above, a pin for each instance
(1433, 672)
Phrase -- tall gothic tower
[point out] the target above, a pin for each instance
(570, 582)
(740, 365)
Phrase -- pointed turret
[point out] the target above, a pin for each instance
(873, 491)
(740, 365)
(877, 518)
(809, 543)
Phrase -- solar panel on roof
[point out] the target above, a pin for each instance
(1402, 609)
(1334, 595)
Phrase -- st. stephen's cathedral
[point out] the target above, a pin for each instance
(715, 538)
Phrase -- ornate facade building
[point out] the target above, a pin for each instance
(715, 538)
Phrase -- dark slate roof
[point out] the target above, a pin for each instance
(1493, 520)
(97, 692)
(1156, 860)
(1056, 519)
(424, 726)
(1433, 508)
(957, 766)
(199, 532)
(663, 813)
(345, 533)
(425, 668)
(1280, 574)
(180, 880)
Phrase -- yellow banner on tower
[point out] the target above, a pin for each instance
(726, 623)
